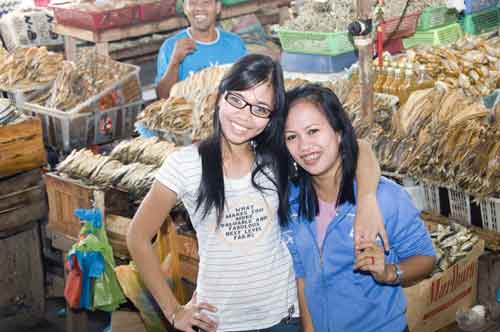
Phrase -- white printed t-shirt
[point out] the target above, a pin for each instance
(245, 268)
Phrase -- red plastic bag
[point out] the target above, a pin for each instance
(73, 286)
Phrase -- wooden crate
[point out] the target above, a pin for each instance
(21, 279)
(22, 201)
(65, 195)
(185, 254)
(21, 147)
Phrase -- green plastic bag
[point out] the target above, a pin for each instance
(107, 292)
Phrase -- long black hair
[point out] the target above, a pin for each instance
(246, 73)
(327, 102)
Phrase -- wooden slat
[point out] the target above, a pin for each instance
(64, 197)
(22, 201)
(20, 182)
(133, 52)
(21, 147)
(21, 277)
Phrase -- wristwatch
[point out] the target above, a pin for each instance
(399, 274)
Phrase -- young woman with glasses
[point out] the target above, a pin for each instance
(230, 186)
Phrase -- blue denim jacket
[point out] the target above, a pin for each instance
(341, 299)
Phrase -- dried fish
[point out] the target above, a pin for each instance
(28, 68)
(78, 82)
(149, 151)
(456, 242)
(471, 63)
(9, 114)
(173, 116)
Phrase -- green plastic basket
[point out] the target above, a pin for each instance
(435, 37)
(178, 6)
(435, 17)
(480, 22)
(324, 43)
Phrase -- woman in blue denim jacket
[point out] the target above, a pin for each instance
(342, 290)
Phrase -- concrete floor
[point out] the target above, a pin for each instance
(55, 320)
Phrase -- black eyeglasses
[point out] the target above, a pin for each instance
(240, 103)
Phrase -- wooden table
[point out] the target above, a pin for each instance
(102, 38)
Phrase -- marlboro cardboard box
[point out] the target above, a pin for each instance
(433, 302)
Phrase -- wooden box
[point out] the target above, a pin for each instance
(21, 279)
(22, 201)
(185, 250)
(65, 195)
(21, 147)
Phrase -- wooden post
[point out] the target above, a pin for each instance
(102, 48)
(365, 48)
(70, 48)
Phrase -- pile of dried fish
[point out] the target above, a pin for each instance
(451, 244)
(472, 64)
(442, 136)
(131, 165)
(350, 97)
(150, 151)
(9, 114)
(27, 68)
(203, 122)
(335, 15)
(198, 86)
(327, 16)
(78, 82)
(395, 8)
(135, 178)
(172, 115)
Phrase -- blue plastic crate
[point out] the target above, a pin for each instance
(472, 6)
(318, 64)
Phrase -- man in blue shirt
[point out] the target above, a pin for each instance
(197, 47)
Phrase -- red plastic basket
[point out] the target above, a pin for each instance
(394, 46)
(157, 10)
(407, 27)
(42, 3)
(95, 21)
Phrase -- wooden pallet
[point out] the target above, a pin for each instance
(21, 147)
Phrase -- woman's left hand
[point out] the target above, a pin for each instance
(371, 258)
(369, 223)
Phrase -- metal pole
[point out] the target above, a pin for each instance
(364, 44)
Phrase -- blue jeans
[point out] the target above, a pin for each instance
(286, 325)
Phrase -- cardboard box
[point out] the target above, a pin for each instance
(433, 302)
